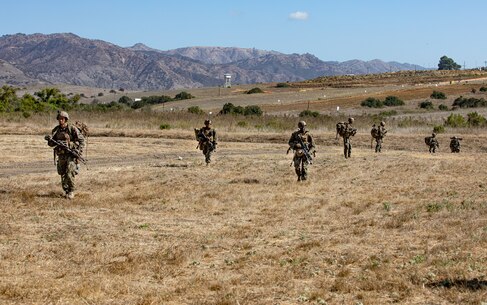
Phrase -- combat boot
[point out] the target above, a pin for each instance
(70, 195)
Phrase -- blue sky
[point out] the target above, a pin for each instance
(407, 31)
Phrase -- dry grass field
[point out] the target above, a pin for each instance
(151, 224)
(401, 227)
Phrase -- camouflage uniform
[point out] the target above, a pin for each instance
(381, 132)
(207, 140)
(455, 144)
(67, 165)
(348, 132)
(300, 161)
(433, 144)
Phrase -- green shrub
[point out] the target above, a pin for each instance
(387, 113)
(472, 102)
(183, 95)
(282, 85)
(230, 108)
(476, 120)
(195, 110)
(438, 95)
(309, 113)
(443, 107)
(242, 124)
(393, 101)
(455, 120)
(26, 114)
(372, 103)
(164, 126)
(426, 105)
(439, 129)
(253, 110)
(255, 90)
(156, 99)
(483, 89)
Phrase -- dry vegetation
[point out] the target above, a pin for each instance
(150, 224)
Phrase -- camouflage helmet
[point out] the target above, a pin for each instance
(62, 114)
(350, 120)
(382, 123)
(301, 124)
(207, 122)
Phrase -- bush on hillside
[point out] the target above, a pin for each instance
(476, 120)
(393, 101)
(309, 113)
(255, 90)
(443, 107)
(455, 120)
(195, 110)
(438, 95)
(183, 95)
(426, 105)
(372, 103)
(472, 102)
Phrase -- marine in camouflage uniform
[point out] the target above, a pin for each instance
(300, 161)
(433, 143)
(381, 132)
(455, 144)
(207, 140)
(348, 132)
(67, 165)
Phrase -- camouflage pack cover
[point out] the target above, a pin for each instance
(83, 128)
(374, 132)
(340, 127)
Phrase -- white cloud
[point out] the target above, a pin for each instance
(299, 15)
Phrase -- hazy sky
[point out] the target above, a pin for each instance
(407, 31)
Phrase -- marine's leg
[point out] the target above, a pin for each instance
(345, 148)
(70, 179)
(297, 166)
(304, 169)
(349, 149)
(62, 169)
(207, 153)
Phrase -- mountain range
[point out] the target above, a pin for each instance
(66, 58)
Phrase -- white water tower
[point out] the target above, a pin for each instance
(228, 80)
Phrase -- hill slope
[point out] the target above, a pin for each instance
(70, 59)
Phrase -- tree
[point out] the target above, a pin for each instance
(447, 63)
(8, 97)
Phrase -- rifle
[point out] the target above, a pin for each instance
(308, 156)
(72, 152)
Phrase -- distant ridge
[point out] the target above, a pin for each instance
(69, 59)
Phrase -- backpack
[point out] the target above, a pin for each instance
(374, 132)
(340, 127)
(83, 128)
(427, 140)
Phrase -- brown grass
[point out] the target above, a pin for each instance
(401, 227)
(150, 224)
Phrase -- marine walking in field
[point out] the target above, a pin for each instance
(378, 134)
(432, 143)
(301, 142)
(207, 140)
(455, 144)
(68, 143)
(346, 131)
